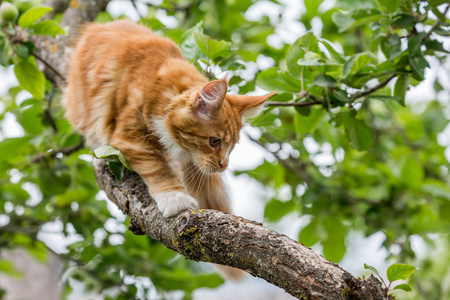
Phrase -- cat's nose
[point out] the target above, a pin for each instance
(223, 164)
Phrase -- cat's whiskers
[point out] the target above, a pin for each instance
(189, 171)
(192, 177)
(200, 182)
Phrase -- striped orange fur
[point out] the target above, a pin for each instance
(132, 89)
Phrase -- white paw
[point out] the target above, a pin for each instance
(171, 203)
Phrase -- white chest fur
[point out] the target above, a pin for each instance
(174, 150)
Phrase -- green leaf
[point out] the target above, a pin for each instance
(345, 22)
(308, 124)
(404, 287)
(304, 44)
(283, 97)
(342, 21)
(340, 58)
(434, 119)
(48, 27)
(436, 189)
(32, 15)
(412, 172)
(4, 52)
(210, 47)
(53, 181)
(418, 64)
(399, 271)
(9, 269)
(277, 79)
(390, 5)
(391, 47)
(303, 110)
(30, 78)
(436, 46)
(311, 7)
(373, 269)
(277, 209)
(404, 20)
(22, 51)
(188, 45)
(9, 147)
(208, 280)
(359, 134)
(334, 246)
(401, 86)
(106, 152)
(111, 153)
(116, 169)
(124, 161)
(437, 85)
(324, 80)
(308, 236)
(362, 60)
(436, 3)
(340, 96)
(31, 119)
(39, 251)
(414, 44)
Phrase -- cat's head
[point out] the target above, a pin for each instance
(204, 125)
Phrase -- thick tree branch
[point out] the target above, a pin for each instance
(209, 235)
(213, 236)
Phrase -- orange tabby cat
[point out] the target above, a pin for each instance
(132, 89)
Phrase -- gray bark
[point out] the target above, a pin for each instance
(208, 235)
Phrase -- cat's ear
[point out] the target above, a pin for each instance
(249, 106)
(210, 99)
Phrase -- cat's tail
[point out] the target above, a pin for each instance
(230, 273)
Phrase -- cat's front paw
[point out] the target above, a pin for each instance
(171, 203)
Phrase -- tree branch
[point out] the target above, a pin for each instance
(435, 25)
(52, 153)
(213, 236)
(48, 66)
(48, 109)
(375, 88)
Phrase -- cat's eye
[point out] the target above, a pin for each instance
(214, 142)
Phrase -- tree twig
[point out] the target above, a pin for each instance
(52, 153)
(290, 163)
(435, 25)
(375, 88)
(49, 66)
(48, 112)
(133, 2)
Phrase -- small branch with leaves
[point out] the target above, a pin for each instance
(65, 151)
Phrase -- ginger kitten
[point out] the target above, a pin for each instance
(132, 89)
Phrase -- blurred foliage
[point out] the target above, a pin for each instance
(348, 151)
